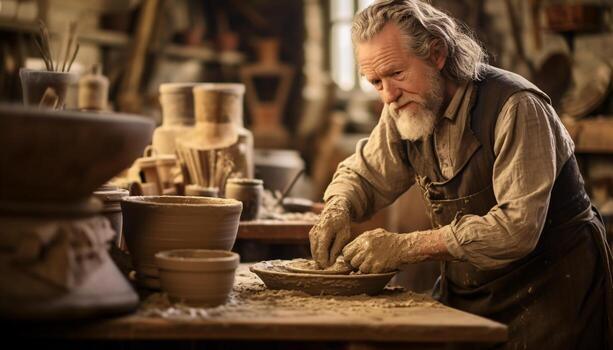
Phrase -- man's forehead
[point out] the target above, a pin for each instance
(380, 55)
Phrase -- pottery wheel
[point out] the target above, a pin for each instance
(276, 275)
(310, 266)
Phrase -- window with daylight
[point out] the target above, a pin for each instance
(342, 61)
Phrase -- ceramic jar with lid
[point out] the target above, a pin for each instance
(249, 192)
(177, 102)
(93, 91)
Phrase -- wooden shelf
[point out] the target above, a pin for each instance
(593, 136)
(111, 38)
(101, 37)
(201, 53)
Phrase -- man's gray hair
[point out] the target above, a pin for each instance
(424, 24)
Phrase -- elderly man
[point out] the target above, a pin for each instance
(517, 236)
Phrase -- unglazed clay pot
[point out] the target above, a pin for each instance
(197, 276)
(155, 223)
(249, 192)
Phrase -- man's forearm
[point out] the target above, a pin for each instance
(426, 245)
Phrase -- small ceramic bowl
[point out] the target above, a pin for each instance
(199, 277)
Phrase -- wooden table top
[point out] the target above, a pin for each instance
(256, 313)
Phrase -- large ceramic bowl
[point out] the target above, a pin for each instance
(155, 223)
(197, 276)
(48, 155)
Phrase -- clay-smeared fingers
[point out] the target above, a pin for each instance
(378, 268)
(358, 260)
(351, 250)
(313, 240)
(324, 240)
(366, 266)
(340, 240)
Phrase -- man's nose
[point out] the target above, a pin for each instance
(390, 92)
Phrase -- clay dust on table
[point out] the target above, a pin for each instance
(250, 299)
(271, 210)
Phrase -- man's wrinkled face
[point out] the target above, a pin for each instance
(412, 87)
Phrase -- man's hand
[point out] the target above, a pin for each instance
(331, 233)
(379, 251)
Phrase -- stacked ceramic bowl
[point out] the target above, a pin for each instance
(197, 276)
(154, 224)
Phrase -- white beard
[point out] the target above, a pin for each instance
(415, 125)
(418, 123)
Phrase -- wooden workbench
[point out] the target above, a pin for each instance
(274, 231)
(256, 313)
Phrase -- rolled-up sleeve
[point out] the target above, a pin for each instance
(531, 145)
(376, 174)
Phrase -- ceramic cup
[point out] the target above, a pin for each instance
(200, 191)
(249, 192)
(35, 82)
(111, 197)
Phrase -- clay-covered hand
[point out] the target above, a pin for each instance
(332, 232)
(378, 251)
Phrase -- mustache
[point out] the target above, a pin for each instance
(405, 99)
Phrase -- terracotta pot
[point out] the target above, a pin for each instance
(35, 82)
(155, 223)
(249, 192)
(197, 276)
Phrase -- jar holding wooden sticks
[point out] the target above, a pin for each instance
(225, 100)
(48, 88)
(38, 83)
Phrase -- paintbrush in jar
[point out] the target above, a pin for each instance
(66, 54)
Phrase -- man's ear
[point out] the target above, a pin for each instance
(438, 54)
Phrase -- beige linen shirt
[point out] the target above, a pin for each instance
(530, 145)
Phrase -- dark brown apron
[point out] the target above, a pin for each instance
(560, 295)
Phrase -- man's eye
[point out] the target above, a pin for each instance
(397, 73)
(375, 82)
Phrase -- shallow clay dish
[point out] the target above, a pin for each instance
(59, 156)
(155, 223)
(197, 276)
(275, 275)
(310, 266)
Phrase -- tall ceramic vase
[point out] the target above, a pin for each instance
(177, 102)
(228, 99)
